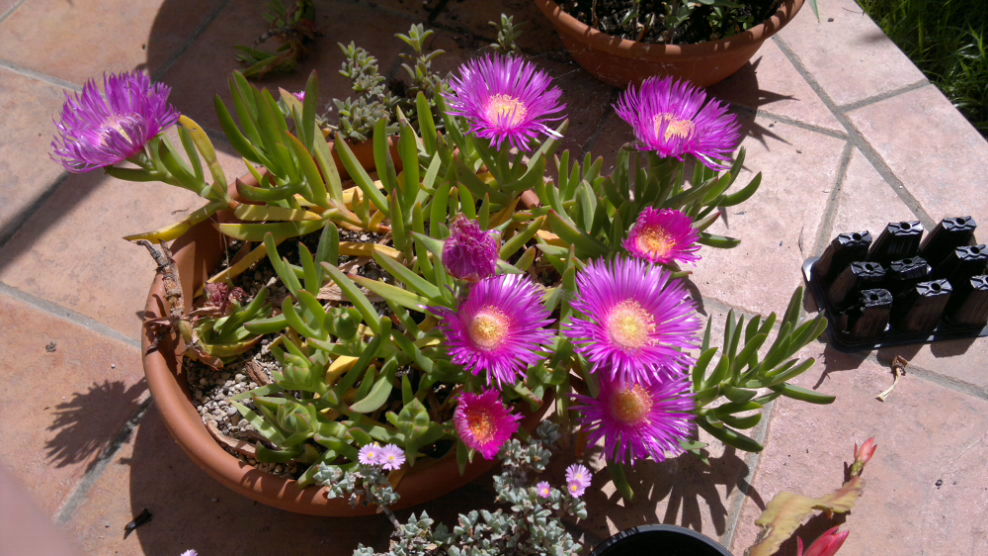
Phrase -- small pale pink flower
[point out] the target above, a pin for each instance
(484, 423)
(663, 236)
(543, 489)
(826, 544)
(471, 253)
(577, 479)
(391, 457)
(370, 454)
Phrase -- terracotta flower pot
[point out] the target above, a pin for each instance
(196, 255)
(619, 62)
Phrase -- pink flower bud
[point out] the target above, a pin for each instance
(470, 252)
(826, 544)
(866, 451)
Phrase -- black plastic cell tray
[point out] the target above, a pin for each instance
(842, 342)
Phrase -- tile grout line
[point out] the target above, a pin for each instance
(38, 76)
(830, 211)
(11, 10)
(882, 96)
(752, 460)
(856, 137)
(939, 379)
(85, 485)
(67, 314)
(789, 121)
(10, 229)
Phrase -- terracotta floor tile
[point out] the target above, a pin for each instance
(114, 35)
(29, 106)
(538, 35)
(866, 201)
(67, 393)
(936, 153)
(769, 83)
(776, 233)
(925, 491)
(847, 53)
(70, 251)
(204, 69)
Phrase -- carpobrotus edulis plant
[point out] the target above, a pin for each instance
(498, 290)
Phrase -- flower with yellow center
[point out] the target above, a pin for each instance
(484, 423)
(674, 127)
(630, 325)
(506, 110)
(489, 328)
(663, 236)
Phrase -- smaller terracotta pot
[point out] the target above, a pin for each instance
(620, 62)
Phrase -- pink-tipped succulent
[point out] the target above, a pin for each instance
(505, 98)
(577, 479)
(500, 329)
(471, 253)
(100, 129)
(675, 118)
(634, 323)
(638, 421)
(484, 423)
(826, 544)
(663, 236)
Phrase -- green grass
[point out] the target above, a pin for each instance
(948, 41)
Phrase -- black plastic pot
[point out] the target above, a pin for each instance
(663, 540)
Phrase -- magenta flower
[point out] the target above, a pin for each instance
(663, 236)
(499, 329)
(391, 457)
(471, 253)
(102, 129)
(634, 322)
(826, 544)
(577, 479)
(370, 454)
(505, 98)
(674, 118)
(543, 489)
(300, 95)
(637, 420)
(484, 423)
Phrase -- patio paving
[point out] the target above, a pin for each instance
(845, 130)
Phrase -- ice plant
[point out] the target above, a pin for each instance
(638, 421)
(484, 423)
(391, 457)
(499, 329)
(100, 129)
(370, 454)
(635, 322)
(470, 253)
(663, 236)
(505, 98)
(675, 118)
(826, 544)
(577, 479)
(543, 489)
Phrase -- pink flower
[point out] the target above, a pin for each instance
(300, 95)
(543, 489)
(866, 452)
(663, 236)
(675, 118)
(500, 329)
(826, 544)
(577, 479)
(484, 423)
(370, 454)
(391, 457)
(471, 253)
(505, 98)
(638, 421)
(633, 322)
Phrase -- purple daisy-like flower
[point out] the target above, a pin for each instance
(471, 253)
(639, 420)
(675, 118)
(391, 457)
(499, 329)
(102, 129)
(663, 236)
(543, 489)
(484, 423)
(635, 322)
(370, 454)
(577, 479)
(505, 98)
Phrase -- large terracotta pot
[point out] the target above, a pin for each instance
(196, 256)
(619, 62)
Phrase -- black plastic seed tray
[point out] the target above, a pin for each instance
(902, 287)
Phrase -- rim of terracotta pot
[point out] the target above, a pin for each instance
(634, 49)
(196, 254)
